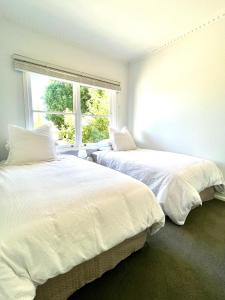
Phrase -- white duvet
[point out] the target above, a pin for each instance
(55, 215)
(175, 179)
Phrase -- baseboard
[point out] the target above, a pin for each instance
(220, 196)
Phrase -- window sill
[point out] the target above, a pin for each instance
(73, 150)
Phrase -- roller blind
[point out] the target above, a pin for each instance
(26, 64)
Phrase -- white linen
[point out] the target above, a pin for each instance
(176, 179)
(26, 146)
(122, 140)
(105, 144)
(56, 215)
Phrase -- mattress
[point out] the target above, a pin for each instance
(175, 179)
(57, 215)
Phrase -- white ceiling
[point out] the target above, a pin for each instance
(123, 29)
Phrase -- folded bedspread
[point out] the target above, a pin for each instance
(56, 215)
(175, 179)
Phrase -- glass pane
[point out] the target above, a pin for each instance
(64, 129)
(94, 101)
(51, 94)
(94, 129)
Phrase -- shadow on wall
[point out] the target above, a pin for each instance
(147, 141)
(3, 152)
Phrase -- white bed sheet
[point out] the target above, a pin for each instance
(56, 215)
(175, 179)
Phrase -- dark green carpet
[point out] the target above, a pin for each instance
(178, 263)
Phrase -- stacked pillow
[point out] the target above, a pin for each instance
(122, 140)
(104, 145)
(27, 146)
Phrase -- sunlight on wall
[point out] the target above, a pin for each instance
(177, 96)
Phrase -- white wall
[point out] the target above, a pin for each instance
(177, 96)
(15, 39)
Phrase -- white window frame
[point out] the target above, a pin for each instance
(76, 107)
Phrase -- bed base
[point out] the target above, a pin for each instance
(207, 194)
(64, 285)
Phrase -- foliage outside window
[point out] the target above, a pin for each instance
(56, 104)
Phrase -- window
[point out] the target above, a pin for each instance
(79, 113)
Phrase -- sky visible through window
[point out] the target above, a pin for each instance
(39, 84)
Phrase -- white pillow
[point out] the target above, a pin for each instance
(105, 148)
(122, 140)
(44, 129)
(105, 143)
(28, 146)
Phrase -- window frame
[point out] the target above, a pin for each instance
(29, 111)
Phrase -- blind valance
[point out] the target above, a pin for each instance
(26, 64)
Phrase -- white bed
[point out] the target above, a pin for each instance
(175, 179)
(56, 215)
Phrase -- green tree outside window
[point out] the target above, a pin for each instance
(59, 98)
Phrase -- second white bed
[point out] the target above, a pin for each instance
(175, 179)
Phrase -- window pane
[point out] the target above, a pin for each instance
(64, 129)
(51, 94)
(94, 101)
(94, 129)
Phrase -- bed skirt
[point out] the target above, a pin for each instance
(64, 285)
(207, 194)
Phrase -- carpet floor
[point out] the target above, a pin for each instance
(178, 263)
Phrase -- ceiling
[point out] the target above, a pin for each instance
(123, 29)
